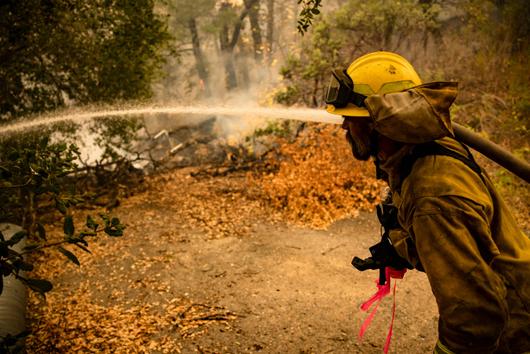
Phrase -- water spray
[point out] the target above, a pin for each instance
(302, 114)
(487, 148)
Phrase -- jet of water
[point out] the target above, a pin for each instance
(302, 114)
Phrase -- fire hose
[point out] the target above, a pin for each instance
(493, 151)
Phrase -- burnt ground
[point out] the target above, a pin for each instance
(177, 282)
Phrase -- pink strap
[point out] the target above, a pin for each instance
(382, 291)
(395, 273)
(389, 335)
(367, 321)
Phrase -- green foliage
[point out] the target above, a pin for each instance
(494, 47)
(33, 169)
(495, 74)
(288, 95)
(281, 129)
(382, 24)
(307, 73)
(13, 262)
(183, 10)
(72, 50)
(227, 16)
(505, 23)
(354, 28)
(310, 9)
(35, 179)
(116, 136)
(131, 58)
(57, 53)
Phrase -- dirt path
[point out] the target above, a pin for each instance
(296, 292)
(276, 288)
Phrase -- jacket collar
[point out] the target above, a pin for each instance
(391, 166)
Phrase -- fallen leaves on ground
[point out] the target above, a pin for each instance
(121, 300)
(219, 207)
(74, 324)
(318, 181)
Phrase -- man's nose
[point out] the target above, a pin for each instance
(344, 124)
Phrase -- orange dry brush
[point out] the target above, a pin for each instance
(318, 180)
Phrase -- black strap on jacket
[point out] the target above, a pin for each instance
(432, 148)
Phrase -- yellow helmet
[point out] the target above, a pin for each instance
(374, 73)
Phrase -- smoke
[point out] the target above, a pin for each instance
(255, 78)
(181, 98)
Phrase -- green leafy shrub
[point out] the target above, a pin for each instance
(34, 183)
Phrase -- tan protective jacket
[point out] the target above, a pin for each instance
(459, 231)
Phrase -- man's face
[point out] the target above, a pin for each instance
(359, 135)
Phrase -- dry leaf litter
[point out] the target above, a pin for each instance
(119, 301)
(318, 181)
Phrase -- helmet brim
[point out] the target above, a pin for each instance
(350, 110)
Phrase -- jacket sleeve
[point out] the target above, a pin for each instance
(404, 246)
(455, 247)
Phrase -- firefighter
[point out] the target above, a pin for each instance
(451, 222)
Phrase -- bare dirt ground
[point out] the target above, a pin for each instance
(241, 281)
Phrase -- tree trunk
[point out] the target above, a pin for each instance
(199, 58)
(228, 44)
(270, 29)
(314, 98)
(230, 70)
(244, 74)
(227, 52)
(388, 32)
(253, 15)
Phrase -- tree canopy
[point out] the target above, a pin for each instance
(55, 52)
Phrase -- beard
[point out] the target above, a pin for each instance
(361, 149)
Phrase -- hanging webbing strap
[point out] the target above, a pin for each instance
(432, 148)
